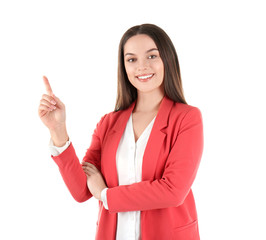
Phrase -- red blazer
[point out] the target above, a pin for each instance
(170, 164)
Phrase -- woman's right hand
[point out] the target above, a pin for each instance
(52, 115)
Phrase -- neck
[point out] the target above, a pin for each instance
(148, 102)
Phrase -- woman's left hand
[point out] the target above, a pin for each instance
(95, 181)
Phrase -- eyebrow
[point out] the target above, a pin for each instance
(152, 49)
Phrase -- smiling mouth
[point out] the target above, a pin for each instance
(145, 77)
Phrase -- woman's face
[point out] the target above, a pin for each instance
(144, 67)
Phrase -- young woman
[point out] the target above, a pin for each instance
(144, 155)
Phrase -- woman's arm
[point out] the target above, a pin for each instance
(71, 169)
(179, 173)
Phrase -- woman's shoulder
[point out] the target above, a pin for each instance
(113, 115)
(182, 110)
(178, 107)
(110, 118)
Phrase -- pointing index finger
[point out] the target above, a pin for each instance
(47, 86)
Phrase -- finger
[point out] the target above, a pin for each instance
(59, 103)
(84, 163)
(89, 164)
(46, 108)
(49, 99)
(86, 172)
(87, 175)
(42, 111)
(47, 86)
(47, 103)
(92, 168)
(54, 100)
(89, 169)
(85, 169)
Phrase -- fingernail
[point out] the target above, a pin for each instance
(53, 102)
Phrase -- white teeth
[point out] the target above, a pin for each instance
(145, 77)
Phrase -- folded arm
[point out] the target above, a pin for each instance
(71, 169)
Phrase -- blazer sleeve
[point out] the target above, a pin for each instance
(179, 173)
(71, 169)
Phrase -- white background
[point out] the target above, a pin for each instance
(221, 50)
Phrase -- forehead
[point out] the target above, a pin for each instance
(139, 43)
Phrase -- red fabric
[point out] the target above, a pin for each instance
(170, 164)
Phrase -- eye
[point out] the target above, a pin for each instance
(131, 60)
(152, 56)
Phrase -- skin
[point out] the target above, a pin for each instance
(52, 113)
(95, 181)
(48, 104)
(139, 59)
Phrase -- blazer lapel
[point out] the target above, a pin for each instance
(156, 139)
(112, 145)
(153, 146)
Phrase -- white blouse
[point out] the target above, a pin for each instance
(129, 170)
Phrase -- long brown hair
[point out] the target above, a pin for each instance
(126, 92)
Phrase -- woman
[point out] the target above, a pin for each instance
(144, 155)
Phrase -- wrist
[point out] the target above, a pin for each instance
(102, 193)
(59, 135)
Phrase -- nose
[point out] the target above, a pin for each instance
(142, 65)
